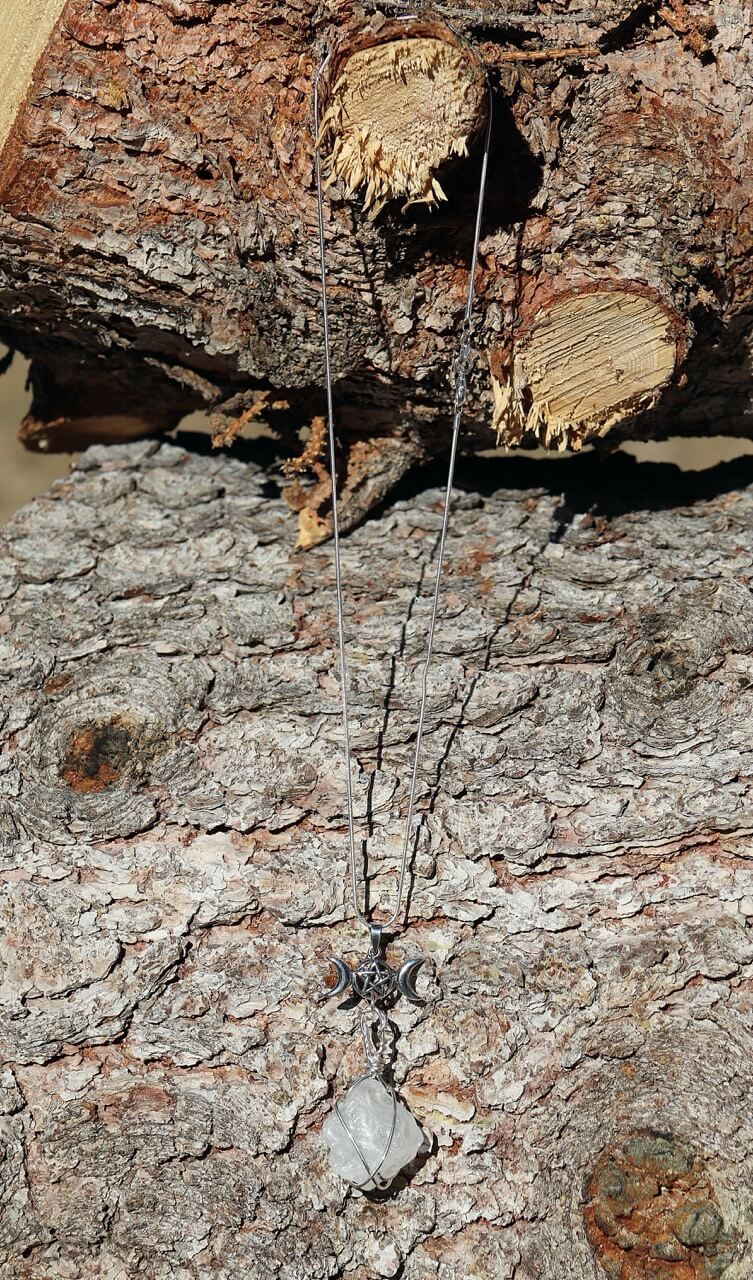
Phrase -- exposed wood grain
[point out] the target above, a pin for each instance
(173, 858)
(26, 28)
(398, 108)
(589, 359)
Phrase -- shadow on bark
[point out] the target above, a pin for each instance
(606, 486)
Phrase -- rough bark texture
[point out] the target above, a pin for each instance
(174, 871)
(158, 248)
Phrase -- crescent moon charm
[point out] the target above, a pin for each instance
(374, 980)
(406, 980)
(343, 979)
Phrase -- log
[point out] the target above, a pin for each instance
(174, 874)
(158, 226)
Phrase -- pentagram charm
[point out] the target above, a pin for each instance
(373, 979)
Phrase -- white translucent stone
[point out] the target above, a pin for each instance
(367, 1110)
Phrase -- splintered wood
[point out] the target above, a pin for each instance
(587, 361)
(26, 28)
(398, 111)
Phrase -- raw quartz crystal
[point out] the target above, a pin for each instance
(366, 1114)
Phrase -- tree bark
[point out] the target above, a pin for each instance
(158, 230)
(174, 864)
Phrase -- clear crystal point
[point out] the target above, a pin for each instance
(371, 1136)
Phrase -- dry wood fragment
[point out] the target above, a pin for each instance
(694, 28)
(498, 57)
(312, 451)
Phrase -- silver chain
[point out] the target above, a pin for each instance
(460, 372)
(532, 21)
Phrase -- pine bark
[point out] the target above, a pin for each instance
(174, 874)
(158, 247)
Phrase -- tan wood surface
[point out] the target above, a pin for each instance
(25, 27)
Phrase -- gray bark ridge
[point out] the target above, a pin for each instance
(174, 875)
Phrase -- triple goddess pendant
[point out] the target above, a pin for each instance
(370, 1134)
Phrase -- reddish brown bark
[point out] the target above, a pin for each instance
(157, 227)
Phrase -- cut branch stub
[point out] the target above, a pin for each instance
(584, 362)
(402, 103)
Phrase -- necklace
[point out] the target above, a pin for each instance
(371, 1135)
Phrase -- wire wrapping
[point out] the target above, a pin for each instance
(372, 1172)
(532, 21)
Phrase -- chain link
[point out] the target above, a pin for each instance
(460, 367)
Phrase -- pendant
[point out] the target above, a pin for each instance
(374, 979)
(371, 1135)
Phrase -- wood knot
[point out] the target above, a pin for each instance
(651, 1213)
(662, 692)
(99, 756)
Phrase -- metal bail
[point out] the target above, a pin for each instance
(375, 934)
